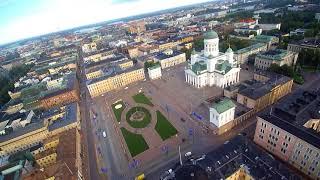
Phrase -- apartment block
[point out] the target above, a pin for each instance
(170, 58)
(279, 57)
(115, 76)
(290, 131)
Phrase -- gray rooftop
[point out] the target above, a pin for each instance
(256, 89)
(227, 159)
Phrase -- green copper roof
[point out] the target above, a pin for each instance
(263, 38)
(277, 55)
(250, 48)
(211, 35)
(225, 67)
(223, 105)
(155, 66)
(198, 67)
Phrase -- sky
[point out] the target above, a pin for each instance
(20, 19)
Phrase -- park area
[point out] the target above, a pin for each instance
(141, 123)
(164, 128)
(135, 142)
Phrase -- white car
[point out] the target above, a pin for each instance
(188, 154)
(104, 134)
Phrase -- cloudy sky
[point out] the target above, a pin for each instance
(21, 19)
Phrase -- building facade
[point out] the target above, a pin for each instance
(242, 55)
(290, 131)
(211, 67)
(102, 85)
(169, 58)
(263, 94)
(222, 112)
(312, 44)
(154, 72)
(279, 57)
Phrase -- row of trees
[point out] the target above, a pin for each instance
(291, 20)
(309, 59)
(7, 82)
(287, 71)
(234, 43)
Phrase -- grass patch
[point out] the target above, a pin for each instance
(135, 142)
(164, 128)
(141, 123)
(118, 112)
(142, 99)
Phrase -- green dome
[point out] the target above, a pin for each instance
(211, 35)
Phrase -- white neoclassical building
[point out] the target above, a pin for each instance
(211, 67)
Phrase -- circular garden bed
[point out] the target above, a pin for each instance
(138, 117)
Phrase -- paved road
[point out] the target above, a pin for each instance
(89, 153)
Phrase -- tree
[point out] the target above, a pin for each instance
(198, 44)
(188, 52)
(7, 83)
(148, 64)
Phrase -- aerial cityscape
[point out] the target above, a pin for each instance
(160, 90)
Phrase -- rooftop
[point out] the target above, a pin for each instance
(223, 66)
(312, 43)
(155, 66)
(250, 48)
(237, 153)
(161, 56)
(223, 105)
(69, 116)
(210, 35)
(293, 112)
(277, 54)
(256, 89)
(264, 38)
(199, 67)
(113, 70)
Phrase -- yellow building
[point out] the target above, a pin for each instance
(52, 122)
(126, 64)
(115, 80)
(261, 95)
(46, 158)
(99, 56)
(94, 74)
(241, 174)
(98, 72)
(168, 45)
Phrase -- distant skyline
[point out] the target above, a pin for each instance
(21, 19)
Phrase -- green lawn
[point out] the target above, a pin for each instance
(141, 98)
(142, 123)
(135, 142)
(164, 128)
(118, 112)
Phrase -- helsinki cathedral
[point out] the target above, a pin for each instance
(211, 67)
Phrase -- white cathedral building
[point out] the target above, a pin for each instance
(211, 67)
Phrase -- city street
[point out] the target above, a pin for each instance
(112, 151)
